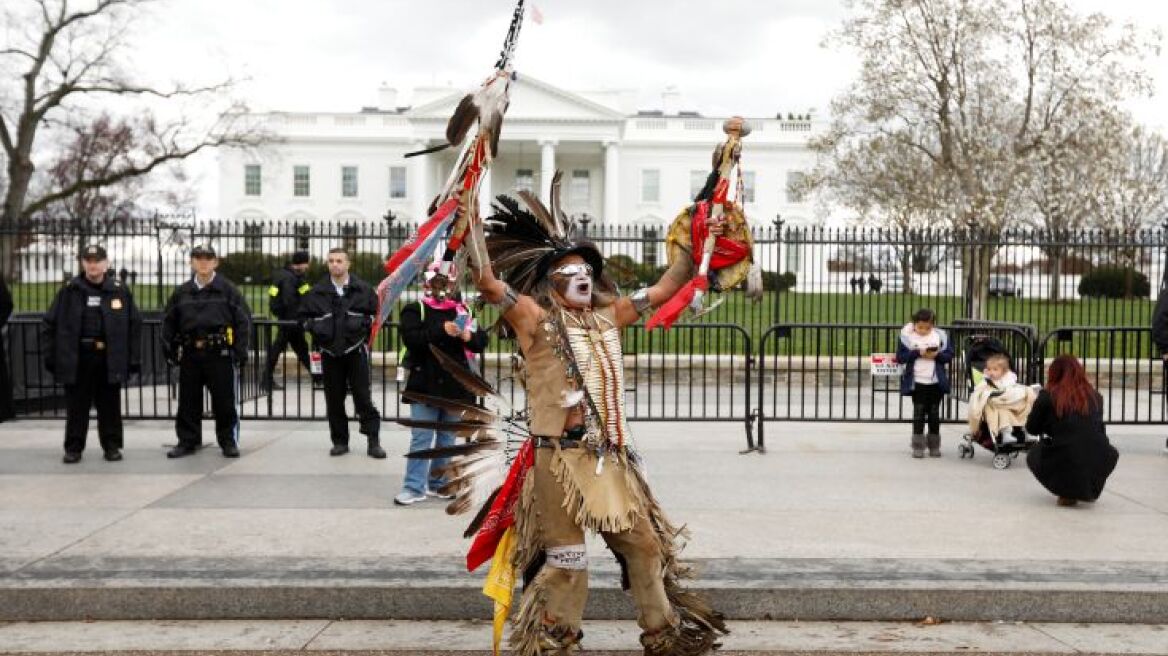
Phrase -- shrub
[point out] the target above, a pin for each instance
(779, 282)
(1112, 282)
(245, 268)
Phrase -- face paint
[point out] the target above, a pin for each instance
(578, 291)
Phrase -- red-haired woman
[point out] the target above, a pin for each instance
(1075, 459)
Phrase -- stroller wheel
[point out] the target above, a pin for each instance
(964, 450)
(1002, 461)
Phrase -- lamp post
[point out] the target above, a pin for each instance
(389, 218)
(778, 224)
(584, 220)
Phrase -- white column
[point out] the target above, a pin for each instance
(418, 188)
(611, 188)
(486, 194)
(547, 169)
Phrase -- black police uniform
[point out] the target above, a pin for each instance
(339, 325)
(206, 331)
(93, 335)
(7, 410)
(288, 287)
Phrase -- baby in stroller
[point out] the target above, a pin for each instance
(998, 405)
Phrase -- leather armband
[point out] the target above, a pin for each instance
(640, 300)
(510, 298)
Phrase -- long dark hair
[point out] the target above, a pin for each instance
(1067, 383)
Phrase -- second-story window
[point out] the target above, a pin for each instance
(650, 185)
(524, 180)
(747, 187)
(580, 193)
(397, 182)
(251, 180)
(349, 181)
(301, 184)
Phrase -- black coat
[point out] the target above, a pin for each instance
(120, 321)
(420, 329)
(338, 324)
(1160, 322)
(192, 312)
(5, 304)
(288, 287)
(1075, 457)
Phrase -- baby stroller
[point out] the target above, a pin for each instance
(1007, 446)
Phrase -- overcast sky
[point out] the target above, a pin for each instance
(726, 56)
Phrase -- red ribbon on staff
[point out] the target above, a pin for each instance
(726, 252)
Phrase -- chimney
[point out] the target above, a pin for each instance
(387, 97)
(670, 100)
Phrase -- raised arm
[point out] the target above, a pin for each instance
(629, 308)
(520, 311)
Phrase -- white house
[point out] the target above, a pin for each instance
(620, 166)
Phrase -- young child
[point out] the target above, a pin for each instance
(997, 373)
(1000, 401)
(924, 350)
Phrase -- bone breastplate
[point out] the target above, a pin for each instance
(595, 343)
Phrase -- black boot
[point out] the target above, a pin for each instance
(375, 450)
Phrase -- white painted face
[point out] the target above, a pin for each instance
(573, 278)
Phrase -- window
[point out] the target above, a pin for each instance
(697, 180)
(795, 181)
(580, 193)
(747, 187)
(349, 239)
(349, 181)
(397, 182)
(649, 247)
(302, 231)
(253, 237)
(524, 180)
(251, 180)
(650, 186)
(300, 181)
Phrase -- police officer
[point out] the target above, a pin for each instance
(288, 287)
(338, 312)
(205, 331)
(93, 335)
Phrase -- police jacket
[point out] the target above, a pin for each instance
(193, 313)
(423, 326)
(121, 329)
(339, 323)
(288, 287)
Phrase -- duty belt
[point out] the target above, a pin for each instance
(207, 341)
(93, 343)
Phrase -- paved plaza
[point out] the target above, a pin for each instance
(834, 525)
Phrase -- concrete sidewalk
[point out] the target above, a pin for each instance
(835, 522)
(473, 637)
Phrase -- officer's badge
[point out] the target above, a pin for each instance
(116, 304)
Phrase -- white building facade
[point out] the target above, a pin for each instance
(620, 167)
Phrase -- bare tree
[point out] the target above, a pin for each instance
(976, 86)
(59, 59)
(1137, 196)
(891, 186)
(1073, 170)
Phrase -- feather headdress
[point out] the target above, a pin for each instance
(524, 238)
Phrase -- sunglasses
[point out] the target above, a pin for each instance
(573, 269)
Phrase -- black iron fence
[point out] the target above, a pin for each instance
(833, 298)
(811, 275)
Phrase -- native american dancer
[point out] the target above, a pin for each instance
(576, 470)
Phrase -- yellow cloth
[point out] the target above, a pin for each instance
(500, 584)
